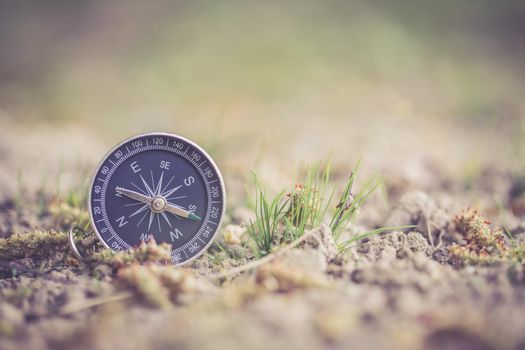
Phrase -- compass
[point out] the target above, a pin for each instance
(157, 186)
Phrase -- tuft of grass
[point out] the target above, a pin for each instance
(309, 203)
(268, 216)
(349, 205)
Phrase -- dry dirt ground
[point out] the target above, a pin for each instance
(397, 290)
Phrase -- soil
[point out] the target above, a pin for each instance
(397, 290)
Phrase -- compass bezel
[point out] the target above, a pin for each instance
(191, 144)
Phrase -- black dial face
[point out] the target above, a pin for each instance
(157, 186)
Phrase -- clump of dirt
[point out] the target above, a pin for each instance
(429, 215)
(396, 241)
(160, 286)
(146, 270)
(322, 240)
(278, 277)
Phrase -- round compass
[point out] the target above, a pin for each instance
(159, 186)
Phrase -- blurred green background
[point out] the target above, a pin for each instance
(291, 79)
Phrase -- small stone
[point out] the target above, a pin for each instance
(418, 208)
(233, 233)
(402, 243)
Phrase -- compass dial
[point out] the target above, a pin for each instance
(159, 186)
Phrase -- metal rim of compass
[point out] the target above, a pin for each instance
(123, 142)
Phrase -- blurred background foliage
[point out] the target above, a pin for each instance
(250, 72)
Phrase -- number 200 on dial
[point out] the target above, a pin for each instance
(160, 186)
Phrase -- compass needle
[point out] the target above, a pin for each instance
(159, 186)
(176, 210)
(133, 195)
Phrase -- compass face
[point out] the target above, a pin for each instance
(159, 186)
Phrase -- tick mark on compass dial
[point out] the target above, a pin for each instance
(157, 186)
